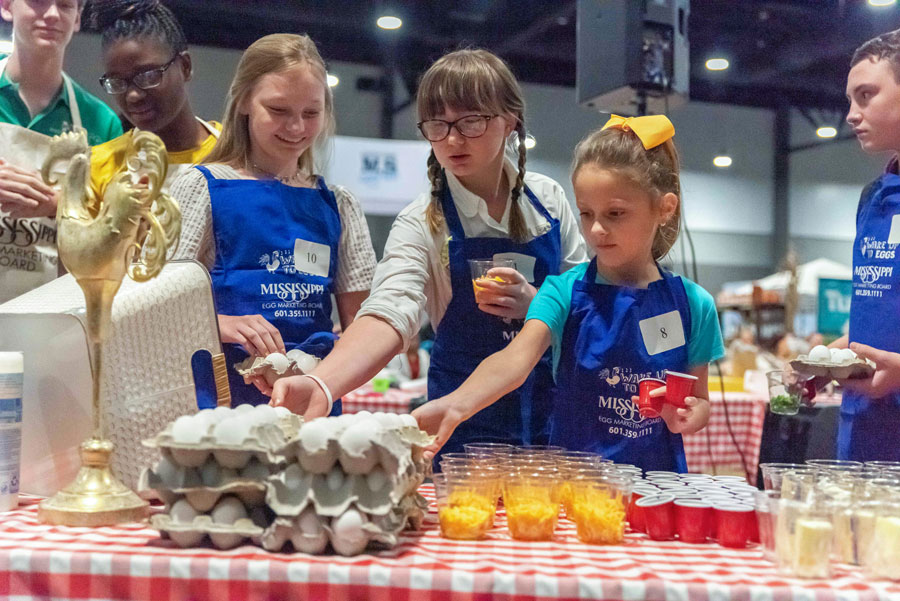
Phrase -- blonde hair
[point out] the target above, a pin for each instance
(655, 171)
(270, 54)
(480, 81)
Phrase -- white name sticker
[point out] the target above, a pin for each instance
(311, 257)
(662, 333)
(524, 264)
(894, 236)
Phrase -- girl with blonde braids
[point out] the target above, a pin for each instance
(480, 205)
(613, 321)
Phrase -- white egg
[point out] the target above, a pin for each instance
(182, 512)
(232, 431)
(205, 419)
(265, 413)
(387, 420)
(304, 361)
(185, 430)
(357, 439)
(835, 355)
(293, 476)
(349, 537)
(314, 435)
(167, 471)
(309, 522)
(845, 356)
(210, 473)
(335, 478)
(282, 412)
(408, 420)
(228, 510)
(363, 414)
(820, 353)
(243, 408)
(222, 413)
(279, 362)
(376, 479)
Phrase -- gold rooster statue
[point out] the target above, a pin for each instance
(130, 230)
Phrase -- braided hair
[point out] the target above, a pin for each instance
(118, 19)
(481, 81)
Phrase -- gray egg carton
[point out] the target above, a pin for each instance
(851, 370)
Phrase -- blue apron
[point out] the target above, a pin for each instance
(869, 429)
(257, 225)
(603, 358)
(467, 335)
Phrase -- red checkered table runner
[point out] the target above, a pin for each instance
(132, 562)
(718, 447)
(366, 399)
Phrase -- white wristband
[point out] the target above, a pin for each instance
(324, 388)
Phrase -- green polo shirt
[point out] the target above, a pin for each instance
(97, 118)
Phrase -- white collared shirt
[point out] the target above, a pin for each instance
(411, 275)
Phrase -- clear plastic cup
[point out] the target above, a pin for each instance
(480, 268)
(532, 506)
(772, 473)
(465, 505)
(803, 540)
(766, 503)
(598, 508)
(782, 400)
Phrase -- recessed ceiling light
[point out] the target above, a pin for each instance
(882, 2)
(6, 46)
(530, 142)
(722, 161)
(717, 64)
(333, 80)
(388, 22)
(826, 131)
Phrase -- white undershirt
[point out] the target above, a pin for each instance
(411, 276)
(356, 258)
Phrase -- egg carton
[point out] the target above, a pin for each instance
(293, 489)
(359, 442)
(205, 485)
(277, 365)
(837, 364)
(233, 440)
(229, 524)
(349, 533)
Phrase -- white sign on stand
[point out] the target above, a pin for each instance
(385, 175)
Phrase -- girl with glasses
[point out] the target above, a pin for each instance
(148, 66)
(277, 241)
(480, 205)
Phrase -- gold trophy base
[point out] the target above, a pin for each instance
(95, 497)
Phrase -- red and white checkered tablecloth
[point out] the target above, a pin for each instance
(132, 562)
(366, 399)
(718, 448)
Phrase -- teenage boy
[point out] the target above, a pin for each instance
(869, 427)
(37, 101)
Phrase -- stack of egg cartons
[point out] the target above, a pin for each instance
(256, 473)
(213, 471)
(350, 480)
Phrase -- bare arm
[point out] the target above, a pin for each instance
(348, 304)
(497, 375)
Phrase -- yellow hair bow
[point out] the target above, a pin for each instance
(651, 130)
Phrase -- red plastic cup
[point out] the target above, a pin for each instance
(650, 406)
(678, 387)
(634, 515)
(692, 520)
(733, 524)
(659, 515)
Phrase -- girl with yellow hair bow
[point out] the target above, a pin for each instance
(615, 320)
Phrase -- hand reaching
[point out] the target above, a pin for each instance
(509, 298)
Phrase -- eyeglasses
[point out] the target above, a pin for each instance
(470, 126)
(144, 80)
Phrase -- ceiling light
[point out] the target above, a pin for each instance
(882, 2)
(717, 64)
(6, 46)
(388, 22)
(826, 131)
(333, 80)
(530, 142)
(722, 161)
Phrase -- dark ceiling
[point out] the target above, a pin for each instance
(794, 51)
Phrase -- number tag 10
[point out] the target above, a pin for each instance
(312, 258)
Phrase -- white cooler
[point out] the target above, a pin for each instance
(157, 326)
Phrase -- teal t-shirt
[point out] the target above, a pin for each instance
(554, 300)
(97, 118)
